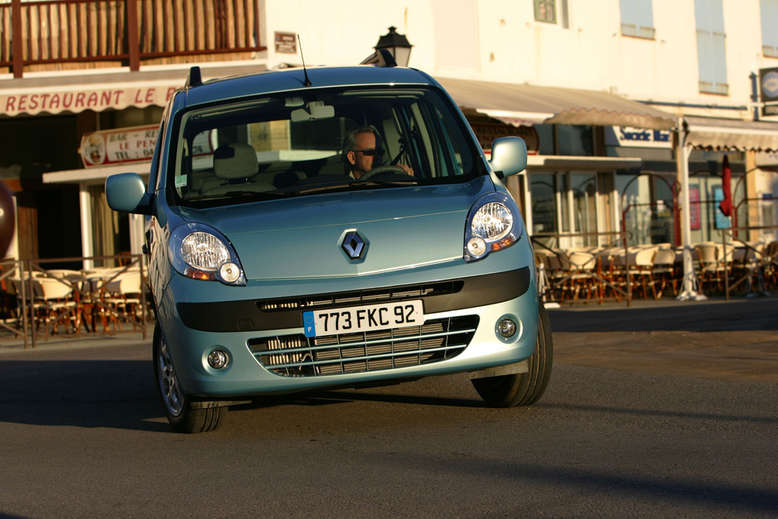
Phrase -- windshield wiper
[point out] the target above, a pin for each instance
(239, 195)
(356, 184)
(386, 182)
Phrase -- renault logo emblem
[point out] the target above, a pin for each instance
(353, 245)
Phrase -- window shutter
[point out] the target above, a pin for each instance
(637, 18)
(769, 13)
(711, 46)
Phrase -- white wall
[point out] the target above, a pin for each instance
(344, 32)
(500, 40)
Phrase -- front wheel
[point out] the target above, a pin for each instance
(523, 388)
(181, 411)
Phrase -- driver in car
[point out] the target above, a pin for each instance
(362, 150)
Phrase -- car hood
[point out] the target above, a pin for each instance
(301, 238)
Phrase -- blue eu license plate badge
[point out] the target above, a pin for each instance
(309, 324)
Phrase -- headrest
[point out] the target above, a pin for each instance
(235, 160)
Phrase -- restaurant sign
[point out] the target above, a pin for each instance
(122, 145)
(56, 100)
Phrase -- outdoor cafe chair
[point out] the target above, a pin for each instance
(53, 305)
(770, 264)
(582, 273)
(663, 271)
(642, 275)
(709, 273)
(123, 297)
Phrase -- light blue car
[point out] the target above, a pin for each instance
(332, 227)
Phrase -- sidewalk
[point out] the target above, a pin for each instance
(11, 344)
(664, 302)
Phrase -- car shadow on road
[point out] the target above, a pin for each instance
(318, 398)
(749, 315)
(101, 393)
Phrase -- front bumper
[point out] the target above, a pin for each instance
(192, 331)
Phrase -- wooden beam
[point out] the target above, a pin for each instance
(17, 43)
(133, 48)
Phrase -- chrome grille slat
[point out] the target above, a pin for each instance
(368, 357)
(329, 345)
(299, 356)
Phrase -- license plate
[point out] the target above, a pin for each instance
(365, 318)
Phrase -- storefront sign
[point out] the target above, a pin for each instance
(286, 42)
(637, 137)
(98, 99)
(721, 221)
(118, 146)
(694, 207)
(768, 84)
(768, 88)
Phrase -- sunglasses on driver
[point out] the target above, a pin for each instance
(372, 152)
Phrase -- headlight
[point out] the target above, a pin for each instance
(204, 251)
(492, 221)
(492, 224)
(201, 252)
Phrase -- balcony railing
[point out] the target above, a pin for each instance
(41, 32)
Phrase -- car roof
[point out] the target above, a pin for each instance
(294, 79)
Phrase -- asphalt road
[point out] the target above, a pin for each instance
(661, 411)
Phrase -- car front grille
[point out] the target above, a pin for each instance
(300, 356)
(361, 297)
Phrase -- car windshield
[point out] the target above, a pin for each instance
(304, 143)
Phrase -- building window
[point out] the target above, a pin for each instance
(637, 19)
(546, 11)
(543, 189)
(711, 48)
(769, 13)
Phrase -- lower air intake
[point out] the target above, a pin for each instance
(300, 356)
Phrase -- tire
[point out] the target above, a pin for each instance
(523, 388)
(182, 413)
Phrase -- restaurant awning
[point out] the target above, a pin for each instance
(569, 162)
(117, 89)
(94, 175)
(731, 134)
(519, 104)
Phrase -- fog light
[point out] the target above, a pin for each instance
(476, 246)
(507, 328)
(229, 272)
(218, 359)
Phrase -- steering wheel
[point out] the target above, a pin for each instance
(382, 169)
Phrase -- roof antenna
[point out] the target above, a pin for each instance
(305, 71)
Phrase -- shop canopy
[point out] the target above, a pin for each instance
(571, 162)
(730, 134)
(522, 104)
(102, 89)
(94, 175)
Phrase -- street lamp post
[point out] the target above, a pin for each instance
(392, 49)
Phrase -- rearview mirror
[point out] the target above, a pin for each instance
(127, 192)
(509, 155)
(313, 111)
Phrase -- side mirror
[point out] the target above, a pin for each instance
(509, 155)
(127, 192)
